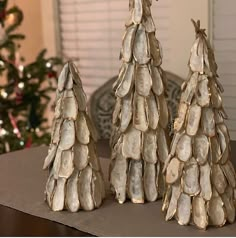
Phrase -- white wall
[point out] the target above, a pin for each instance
(182, 31)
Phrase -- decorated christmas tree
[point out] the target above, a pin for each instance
(75, 177)
(200, 176)
(24, 88)
(139, 140)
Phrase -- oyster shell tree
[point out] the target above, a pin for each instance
(139, 140)
(75, 177)
(200, 176)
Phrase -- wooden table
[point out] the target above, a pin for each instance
(15, 223)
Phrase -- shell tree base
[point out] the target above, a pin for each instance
(200, 176)
(139, 141)
(75, 177)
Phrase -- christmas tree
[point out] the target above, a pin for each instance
(24, 88)
(139, 139)
(200, 175)
(75, 178)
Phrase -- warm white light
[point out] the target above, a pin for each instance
(21, 85)
(3, 132)
(4, 94)
(1, 122)
(48, 65)
(21, 68)
(16, 131)
(22, 143)
(28, 75)
(2, 63)
(37, 130)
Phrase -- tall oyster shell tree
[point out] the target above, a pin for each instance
(199, 172)
(139, 140)
(75, 177)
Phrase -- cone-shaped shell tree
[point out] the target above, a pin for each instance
(139, 140)
(75, 178)
(200, 176)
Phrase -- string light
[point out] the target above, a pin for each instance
(4, 94)
(1, 122)
(21, 85)
(15, 131)
(21, 68)
(3, 132)
(11, 18)
(22, 143)
(28, 76)
(2, 63)
(48, 65)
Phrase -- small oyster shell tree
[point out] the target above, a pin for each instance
(139, 140)
(200, 176)
(75, 177)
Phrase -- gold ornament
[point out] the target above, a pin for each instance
(200, 177)
(75, 177)
(139, 141)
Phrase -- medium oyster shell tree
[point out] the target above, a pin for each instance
(139, 140)
(75, 178)
(200, 176)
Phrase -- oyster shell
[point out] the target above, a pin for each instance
(208, 122)
(189, 91)
(150, 147)
(184, 207)
(205, 181)
(141, 46)
(157, 85)
(194, 117)
(216, 212)
(153, 114)
(80, 156)
(149, 178)
(85, 189)
(69, 105)
(67, 135)
(143, 82)
(155, 50)
(128, 42)
(163, 148)
(132, 144)
(126, 113)
(140, 117)
(201, 148)
(174, 171)
(126, 82)
(59, 195)
(138, 11)
(82, 130)
(135, 183)
(176, 191)
(72, 196)
(184, 148)
(200, 217)
(191, 184)
(202, 94)
(50, 157)
(218, 178)
(67, 165)
(179, 121)
(118, 177)
(196, 61)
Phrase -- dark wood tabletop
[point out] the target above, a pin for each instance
(16, 223)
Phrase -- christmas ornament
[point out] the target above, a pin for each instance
(200, 176)
(75, 177)
(139, 140)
